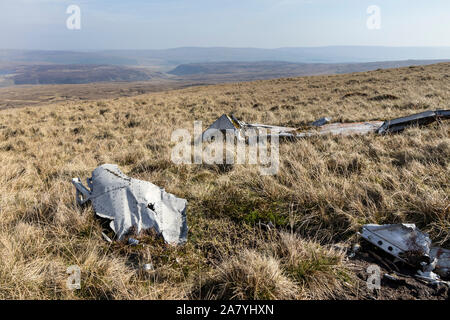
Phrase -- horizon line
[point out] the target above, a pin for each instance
(231, 47)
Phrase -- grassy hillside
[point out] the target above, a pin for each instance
(32, 95)
(327, 187)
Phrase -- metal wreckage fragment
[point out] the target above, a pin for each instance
(403, 241)
(133, 204)
(409, 245)
(324, 127)
(419, 119)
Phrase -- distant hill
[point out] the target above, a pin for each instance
(170, 58)
(333, 54)
(192, 73)
(208, 65)
(75, 74)
(62, 57)
(242, 71)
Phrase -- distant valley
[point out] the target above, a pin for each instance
(74, 74)
(30, 77)
(209, 72)
(247, 71)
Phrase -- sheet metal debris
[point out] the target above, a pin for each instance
(224, 122)
(324, 127)
(408, 244)
(133, 242)
(320, 122)
(133, 205)
(403, 241)
(419, 119)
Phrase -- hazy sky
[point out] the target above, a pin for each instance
(155, 24)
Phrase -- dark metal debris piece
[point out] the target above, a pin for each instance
(320, 122)
(419, 119)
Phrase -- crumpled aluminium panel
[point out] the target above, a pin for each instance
(132, 203)
(403, 241)
(407, 243)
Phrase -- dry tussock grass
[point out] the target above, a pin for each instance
(251, 275)
(326, 188)
(318, 270)
(284, 266)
